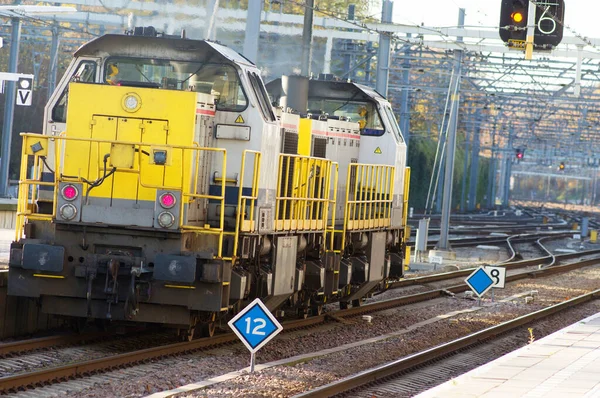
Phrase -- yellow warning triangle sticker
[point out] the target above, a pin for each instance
(239, 119)
(378, 151)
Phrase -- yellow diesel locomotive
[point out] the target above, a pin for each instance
(167, 188)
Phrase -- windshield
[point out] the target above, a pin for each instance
(365, 113)
(220, 80)
(394, 123)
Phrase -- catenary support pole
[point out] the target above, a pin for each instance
(307, 37)
(383, 55)
(474, 163)
(451, 145)
(463, 187)
(404, 109)
(53, 60)
(9, 108)
(252, 30)
(506, 182)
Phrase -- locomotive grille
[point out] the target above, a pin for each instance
(290, 142)
(352, 177)
(289, 145)
(319, 147)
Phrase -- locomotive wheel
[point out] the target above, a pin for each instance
(79, 325)
(302, 313)
(189, 335)
(316, 309)
(207, 329)
(356, 303)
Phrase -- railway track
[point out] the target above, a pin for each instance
(22, 346)
(83, 368)
(401, 366)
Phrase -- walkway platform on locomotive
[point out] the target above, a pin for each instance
(563, 364)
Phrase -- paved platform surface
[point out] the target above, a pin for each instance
(564, 364)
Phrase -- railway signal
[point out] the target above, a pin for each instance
(513, 22)
(518, 153)
(548, 23)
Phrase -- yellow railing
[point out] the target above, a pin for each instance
(28, 187)
(245, 221)
(405, 215)
(369, 195)
(331, 231)
(303, 193)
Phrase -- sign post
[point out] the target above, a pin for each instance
(255, 326)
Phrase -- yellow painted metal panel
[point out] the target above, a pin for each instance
(102, 128)
(153, 132)
(122, 156)
(179, 107)
(593, 236)
(176, 109)
(36, 142)
(125, 185)
(304, 137)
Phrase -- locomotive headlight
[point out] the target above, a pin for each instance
(166, 219)
(68, 211)
(131, 102)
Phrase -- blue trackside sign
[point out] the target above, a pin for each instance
(255, 325)
(479, 281)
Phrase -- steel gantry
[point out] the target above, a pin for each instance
(549, 105)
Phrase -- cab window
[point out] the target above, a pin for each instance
(261, 95)
(365, 113)
(394, 124)
(84, 73)
(219, 80)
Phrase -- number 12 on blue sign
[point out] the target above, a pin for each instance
(255, 325)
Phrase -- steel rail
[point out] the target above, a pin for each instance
(22, 346)
(421, 280)
(402, 365)
(78, 369)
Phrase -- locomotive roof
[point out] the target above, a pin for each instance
(160, 47)
(340, 90)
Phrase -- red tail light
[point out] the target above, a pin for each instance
(69, 192)
(167, 200)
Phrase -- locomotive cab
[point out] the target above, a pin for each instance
(129, 211)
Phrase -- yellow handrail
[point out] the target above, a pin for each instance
(303, 190)
(369, 197)
(23, 211)
(333, 203)
(406, 191)
(243, 199)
